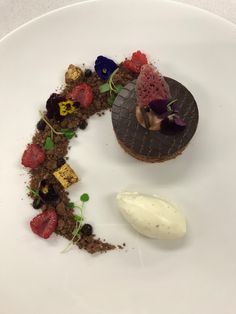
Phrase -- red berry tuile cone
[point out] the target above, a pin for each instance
(151, 86)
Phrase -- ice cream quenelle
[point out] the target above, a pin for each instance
(152, 216)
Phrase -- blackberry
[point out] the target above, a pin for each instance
(41, 125)
(87, 73)
(83, 124)
(86, 229)
(37, 203)
(60, 162)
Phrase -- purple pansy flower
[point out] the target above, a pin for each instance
(53, 108)
(163, 107)
(104, 67)
(167, 110)
(172, 124)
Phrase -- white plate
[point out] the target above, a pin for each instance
(196, 275)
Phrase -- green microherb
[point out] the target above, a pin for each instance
(169, 108)
(110, 99)
(34, 192)
(49, 125)
(104, 88)
(77, 218)
(71, 205)
(69, 134)
(111, 87)
(48, 145)
(78, 221)
(119, 88)
(84, 197)
(75, 232)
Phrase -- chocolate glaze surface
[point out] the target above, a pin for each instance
(153, 145)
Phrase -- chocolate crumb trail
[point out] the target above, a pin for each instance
(93, 245)
(76, 121)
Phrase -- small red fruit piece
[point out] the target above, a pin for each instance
(82, 93)
(45, 223)
(137, 61)
(33, 156)
(151, 86)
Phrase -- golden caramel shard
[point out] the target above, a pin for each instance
(73, 74)
(66, 176)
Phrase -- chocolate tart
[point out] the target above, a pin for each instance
(148, 145)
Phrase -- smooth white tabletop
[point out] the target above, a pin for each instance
(13, 13)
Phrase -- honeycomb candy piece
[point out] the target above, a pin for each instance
(73, 74)
(66, 176)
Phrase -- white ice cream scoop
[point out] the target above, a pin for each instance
(151, 216)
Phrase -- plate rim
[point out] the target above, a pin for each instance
(85, 2)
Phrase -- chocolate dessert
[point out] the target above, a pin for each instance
(150, 143)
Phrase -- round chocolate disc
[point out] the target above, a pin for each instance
(147, 145)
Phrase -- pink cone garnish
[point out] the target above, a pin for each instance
(151, 86)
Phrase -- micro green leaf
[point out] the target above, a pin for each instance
(104, 88)
(84, 197)
(78, 218)
(111, 99)
(119, 88)
(78, 221)
(76, 231)
(69, 134)
(34, 192)
(71, 205)
(48, 145)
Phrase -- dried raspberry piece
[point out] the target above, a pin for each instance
(33, 156)
(151, 86)
(83, 94)
(45, 223)
(137, 61)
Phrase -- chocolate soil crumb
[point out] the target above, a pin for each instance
(75, 121)
(93, 245)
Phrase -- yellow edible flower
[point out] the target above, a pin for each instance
(66, 107)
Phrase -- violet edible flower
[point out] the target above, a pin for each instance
(172, 124)
(163, 107)
(104, 67)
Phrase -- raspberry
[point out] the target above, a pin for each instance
(83, 94)
(33, 156)
(151, 86)
(137, 61)
(45, 223)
